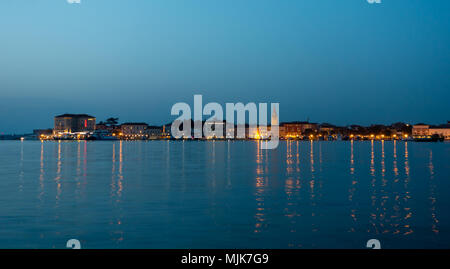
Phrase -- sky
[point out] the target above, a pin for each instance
(341, 62)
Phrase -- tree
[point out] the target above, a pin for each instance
(112, 121)
(309, 132)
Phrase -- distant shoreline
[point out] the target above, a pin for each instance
(225, 140)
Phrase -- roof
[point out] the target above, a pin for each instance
(74, 116)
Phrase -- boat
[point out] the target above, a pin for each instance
(103, 135)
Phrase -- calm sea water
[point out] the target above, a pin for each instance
(162, 194)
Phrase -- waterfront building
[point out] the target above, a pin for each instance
(402, 128)
(153, 132)
(441, 130)
(166, 131)
(264, 133)
(326, 128)
(291, 130)
(422, 130)
(133, 129)
(230, 131)
(215, 126)
(282, 131)
(68, 124)
(296, 129)
(251, 132)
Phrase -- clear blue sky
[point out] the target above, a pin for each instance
(332, 61)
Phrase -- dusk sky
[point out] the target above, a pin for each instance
(330, 61)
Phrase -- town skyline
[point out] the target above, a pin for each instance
(332, 61)
(170, 119)
(86, 127)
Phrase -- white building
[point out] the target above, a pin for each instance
(423, 130)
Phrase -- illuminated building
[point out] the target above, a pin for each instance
(423, 130)
(154, 132)
(217, 128)
(74, 124)
(133, 129)
(420, 130)
(296, 129)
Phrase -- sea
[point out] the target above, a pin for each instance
(224, 194)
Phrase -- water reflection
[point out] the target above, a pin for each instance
(78, 173)
(213, 165)
(117, 233)
(394, 164)
(312, 181)
(311, 155)
(292, 188)
(397, 211)
(406, 162)
(85, 159)
(260, 188)
(352, 190)
(228, 165)
(384, 197)
(113, 171)
(391, 213)
(168, 175)
(116, 177)
(41, 174)
(312, 184)
(120, 176)
(434, 219)
(21, 173)
(182, 167)
(320, 177)
(375, 209)
(352, 159)
(408, 212)
(289, 160)
(58, 173)
(294, 196)
(383, 165)
(372, 161)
